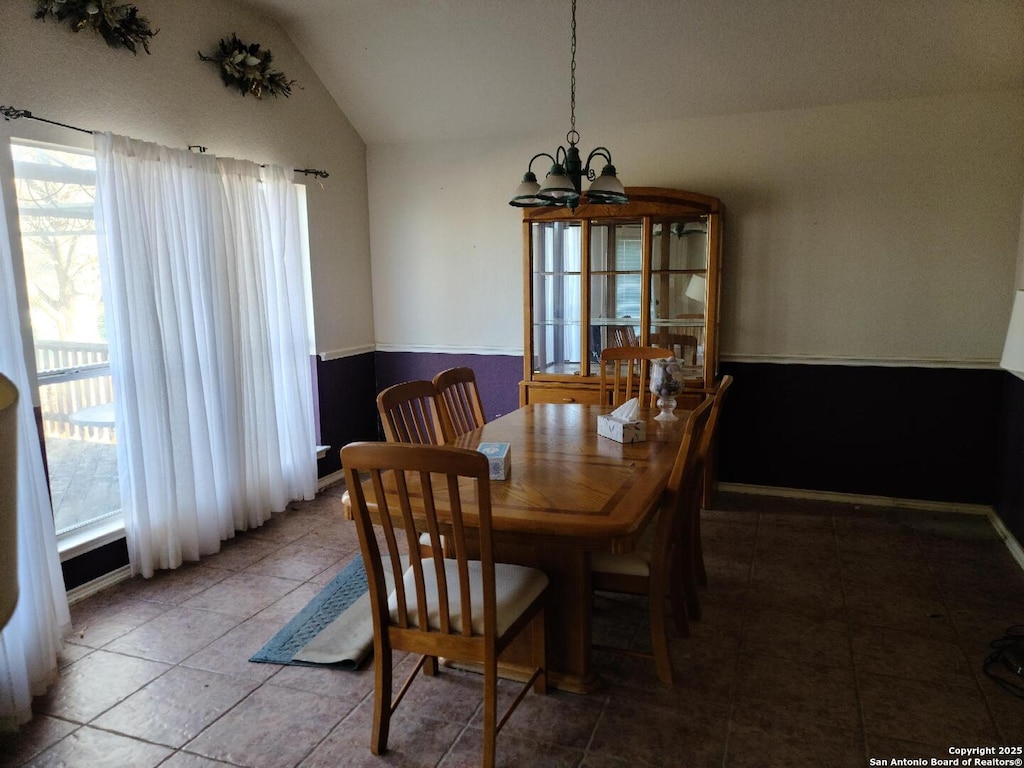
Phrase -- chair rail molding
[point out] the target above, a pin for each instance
(450, 349)
(338, 354)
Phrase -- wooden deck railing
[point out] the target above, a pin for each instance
(73, 376)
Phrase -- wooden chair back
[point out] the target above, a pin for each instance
(707, 444)
(431, 475)
(409, 414)
(709, 459)
(437, 605)
(625, 336)
(672, 561)
(624, 371)
(458, 402)
(662, 573)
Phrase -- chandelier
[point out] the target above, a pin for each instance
(563, 184)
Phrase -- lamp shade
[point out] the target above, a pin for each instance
(697, 288)
(607, 188)
(1013, 350)
(8, 499)
(525, 195)
(558, 188)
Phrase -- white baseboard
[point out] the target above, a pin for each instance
(1016, 551)
(330, 479)
(1011, 541)
(856, 498)
(90, 588)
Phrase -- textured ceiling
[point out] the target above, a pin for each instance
(410, 70)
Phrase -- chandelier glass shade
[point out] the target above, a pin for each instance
(563, 184)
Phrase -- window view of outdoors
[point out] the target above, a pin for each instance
(56, 190)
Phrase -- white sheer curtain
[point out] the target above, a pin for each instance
(32, 638)
(202, 270)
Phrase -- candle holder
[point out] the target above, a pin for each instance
(666, 383)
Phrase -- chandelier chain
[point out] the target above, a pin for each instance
(563, 184)
(572, 83)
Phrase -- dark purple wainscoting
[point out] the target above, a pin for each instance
(497, 376)
(1010, 499)
(348, 405)
(913, 433)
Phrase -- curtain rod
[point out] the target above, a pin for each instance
(13, 113)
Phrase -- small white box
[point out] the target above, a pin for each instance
(499, 456)
(622, 430)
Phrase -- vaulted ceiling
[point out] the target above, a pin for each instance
(413, 70)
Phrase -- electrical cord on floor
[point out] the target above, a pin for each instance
(1007, 654)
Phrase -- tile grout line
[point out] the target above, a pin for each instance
(734, 694)
(849, 641)
(960, 641)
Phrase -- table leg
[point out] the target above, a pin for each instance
(568, 618)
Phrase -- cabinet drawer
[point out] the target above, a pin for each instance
(557, 394)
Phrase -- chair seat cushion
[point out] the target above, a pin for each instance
(635, 563)
(515, 586)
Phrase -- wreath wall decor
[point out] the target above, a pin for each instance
(118, 23)
(247, 68)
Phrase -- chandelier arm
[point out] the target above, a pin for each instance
(602, 152)
(540, 154)
(598, 152)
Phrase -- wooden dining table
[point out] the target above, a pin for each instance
(570, 492)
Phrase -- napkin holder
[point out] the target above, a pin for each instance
(622, 424)
(499, 459)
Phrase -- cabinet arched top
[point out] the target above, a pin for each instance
(643, 201)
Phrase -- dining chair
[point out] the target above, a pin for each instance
(409, 413)
(625, 336)
(458, 402)
(659, 564)
(463, 609)
(628, 376)
(708, 451)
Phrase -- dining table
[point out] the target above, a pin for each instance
(570, 492)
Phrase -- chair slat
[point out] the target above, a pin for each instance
(415, 563)
(436, 559)
(391, 542)
(459, 535)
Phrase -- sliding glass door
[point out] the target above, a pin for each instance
(56, 190)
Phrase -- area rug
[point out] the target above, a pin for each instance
(335, 628)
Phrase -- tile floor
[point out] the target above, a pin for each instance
(831, 634)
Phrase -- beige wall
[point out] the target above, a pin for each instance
(882, 231)
(173, 98)
(875, 232)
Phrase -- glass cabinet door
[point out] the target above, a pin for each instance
(616, 282)
(679, 270)
(557, 294)
(645, 273)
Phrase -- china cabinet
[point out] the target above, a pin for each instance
(646, 272)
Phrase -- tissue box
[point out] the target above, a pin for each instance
(621, 430)
(499, 456)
